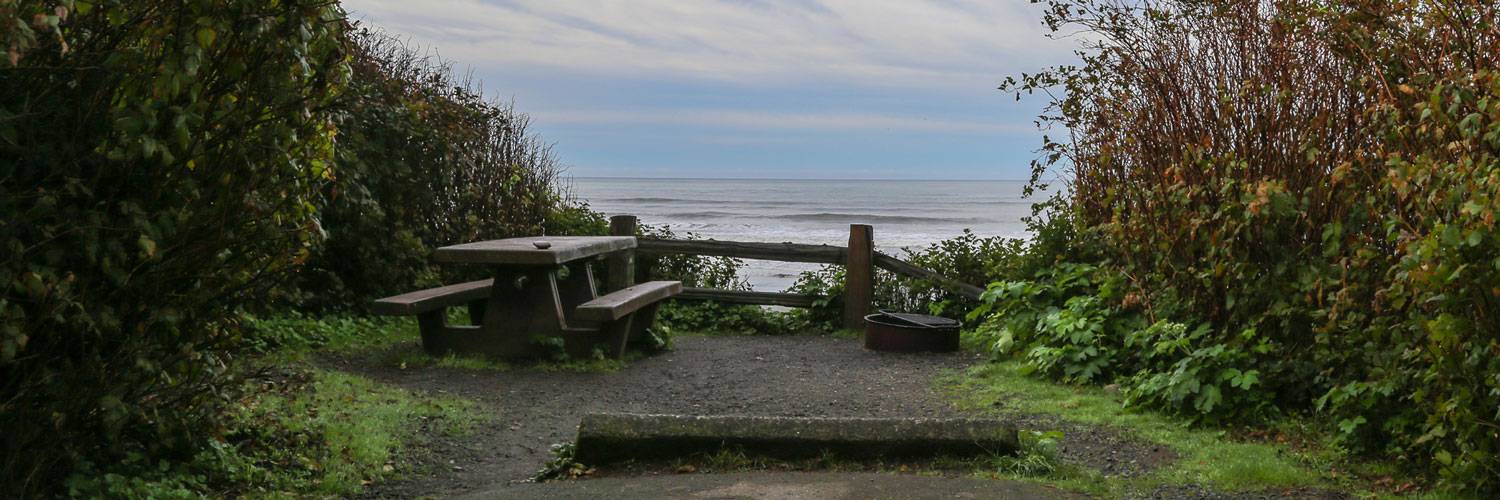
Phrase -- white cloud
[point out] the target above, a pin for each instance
(764, 120)
(935, 44)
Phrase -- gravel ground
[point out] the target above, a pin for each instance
(765, 376)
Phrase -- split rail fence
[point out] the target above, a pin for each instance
(859, 259)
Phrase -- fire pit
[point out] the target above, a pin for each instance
(901, 332)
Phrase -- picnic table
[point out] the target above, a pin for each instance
(543, 287)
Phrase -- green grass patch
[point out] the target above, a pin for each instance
(337, 431)
(393, 342)
(296, 431)
(299, 334)
(410, 356)
(1206, 457)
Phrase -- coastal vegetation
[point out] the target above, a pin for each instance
(141, 144)
(170, 169)
(424, 160)
(1279, 219)
(1276, 210)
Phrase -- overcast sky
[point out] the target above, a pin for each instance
(752, 89)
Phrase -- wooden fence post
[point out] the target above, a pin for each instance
(859, 275)
(622, 263)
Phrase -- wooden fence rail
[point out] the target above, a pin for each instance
(910, 270)
(748, 297)
(859, 258)
(785, 252)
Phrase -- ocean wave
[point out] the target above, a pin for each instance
(699, 201)
(888, 219)
(702, 215)
(765, 203)
(658, 200)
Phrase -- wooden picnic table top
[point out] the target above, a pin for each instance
(525, 251)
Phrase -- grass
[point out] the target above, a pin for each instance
(297, 431)
(411, 356)
(395, 342)
(1207, 457)
(334, 432)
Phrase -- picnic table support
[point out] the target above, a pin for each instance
(859, 275)
(621, 264)
(476, 311)
(523, 304)
(576, 287)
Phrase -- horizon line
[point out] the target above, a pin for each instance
(628, 177)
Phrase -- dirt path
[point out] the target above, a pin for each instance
(771, 376)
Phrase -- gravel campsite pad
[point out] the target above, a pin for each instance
(796, 376)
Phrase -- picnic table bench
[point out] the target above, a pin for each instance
(543, 287)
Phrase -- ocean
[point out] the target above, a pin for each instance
(904, 213)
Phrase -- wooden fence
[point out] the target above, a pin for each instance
(859, 259)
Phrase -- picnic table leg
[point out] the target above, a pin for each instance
(523, 305)
(618, 336)
(433, 326)
(577, 288)
(640, 321)
(476, 312)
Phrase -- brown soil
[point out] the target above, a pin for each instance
(764, 376)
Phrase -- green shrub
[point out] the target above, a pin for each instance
(426, 160)
(1077, 323)
(827, 283)
(1301, 197)
(708, 272)
(968, 258)
(298, 432)
(159, 164)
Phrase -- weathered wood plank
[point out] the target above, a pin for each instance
(785, 252)
(430, 299)
(902, 267)
(618, 304)
(748, 297)
(525, 251)
(621, 264)
(859, 276)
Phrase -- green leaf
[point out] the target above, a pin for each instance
(206, 36)
(1348, 425)
(148, 247)
(1208, 398)
(1248, 379)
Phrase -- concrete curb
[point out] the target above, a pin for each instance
(612, 437)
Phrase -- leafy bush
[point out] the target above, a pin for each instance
(1300, 197)
(1073, 322)
(424, 161)
(967, 258)
(298, 432)
(691, 270)
(709, 272)
(160, 161)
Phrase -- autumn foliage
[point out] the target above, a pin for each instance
(1305, 190)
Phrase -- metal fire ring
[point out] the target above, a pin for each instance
(902, 332)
